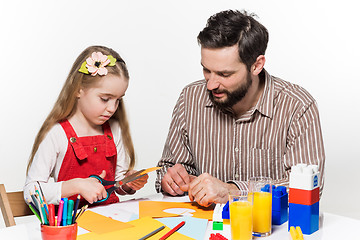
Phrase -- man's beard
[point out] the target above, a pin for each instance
(232, 97)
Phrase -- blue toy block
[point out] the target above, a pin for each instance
(226, 211)
(279, 205)
(266, 188)
(304, 216)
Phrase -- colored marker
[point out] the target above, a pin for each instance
(172, 230)
(70, 210)
(65, 212)
(51, 214)
(152, 233)
(60, 212)
(75, 209)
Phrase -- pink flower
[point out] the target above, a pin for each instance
(96, 63)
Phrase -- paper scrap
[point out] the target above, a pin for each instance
(156, 209)
(142, 227)
(194, 227)
(97, 223)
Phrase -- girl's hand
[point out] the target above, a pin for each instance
(89, 188)
(138, 183)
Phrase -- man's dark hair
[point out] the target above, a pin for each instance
(227, 28)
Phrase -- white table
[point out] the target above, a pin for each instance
(332, 227)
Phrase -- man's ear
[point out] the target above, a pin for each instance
(258, 65)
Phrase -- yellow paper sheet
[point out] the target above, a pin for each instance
(156, 209)
(98, 223)
(142, 227)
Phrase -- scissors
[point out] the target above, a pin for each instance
(117, 184)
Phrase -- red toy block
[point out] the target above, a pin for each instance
(304, 197)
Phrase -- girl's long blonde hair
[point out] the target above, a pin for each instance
(65, 105)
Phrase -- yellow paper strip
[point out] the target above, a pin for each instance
(150, 170)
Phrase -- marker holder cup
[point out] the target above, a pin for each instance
(68, 232)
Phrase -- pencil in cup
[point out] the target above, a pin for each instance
(75, 208)
(82, 210)
(33, 209)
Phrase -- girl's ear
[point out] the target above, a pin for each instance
(80, 92)
(258, 66)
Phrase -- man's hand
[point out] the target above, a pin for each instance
(176, 181)
(207, 189)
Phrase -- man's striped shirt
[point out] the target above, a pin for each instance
(282, 130)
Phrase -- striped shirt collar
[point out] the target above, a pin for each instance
(265, 103)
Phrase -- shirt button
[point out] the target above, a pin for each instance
(236, 149)
(237, 176)
(109, 137)
(72, 139)
(95, 149)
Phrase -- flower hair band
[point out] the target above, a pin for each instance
(96, 63)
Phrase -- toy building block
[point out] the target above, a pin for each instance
(304, 197)
(296, 234)
(304, 216)
(217, 217)
(226, 211)
(217, 236)
(304, 177)
(279, 205)
(218, 226)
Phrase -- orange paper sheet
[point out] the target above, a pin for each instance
(142, 227)
(156, 209)
(98, 223)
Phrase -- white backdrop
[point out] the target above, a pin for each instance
(312, 43)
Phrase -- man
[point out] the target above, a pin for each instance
(240, 121)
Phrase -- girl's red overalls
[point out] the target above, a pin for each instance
(89, 155)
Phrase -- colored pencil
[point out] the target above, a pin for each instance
(152, 233)
(172, 231)
(60, 212)
(43, 197)
(32, 205)
(46, 222)
(75, 209)
(33, 209)
(82, 210)
(34, 201)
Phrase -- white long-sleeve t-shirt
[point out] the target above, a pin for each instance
(49, 158)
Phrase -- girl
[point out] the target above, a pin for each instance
(86, 133)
